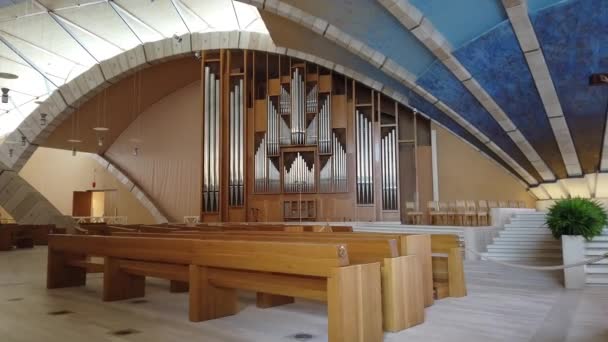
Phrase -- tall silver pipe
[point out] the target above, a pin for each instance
(206, 141)
(212, 139)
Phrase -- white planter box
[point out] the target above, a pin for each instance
(573, 250)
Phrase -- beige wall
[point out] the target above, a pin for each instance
(56, 174)
(4, 215)
(464, 174)
(168, 165)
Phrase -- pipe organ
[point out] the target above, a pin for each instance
(279, 130)
(211, 141)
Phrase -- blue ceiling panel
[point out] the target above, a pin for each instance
(535, 5)
(496, 61)
(463, 20)
(574, 39)
(440, 82)
(371, 23)
(434, 113)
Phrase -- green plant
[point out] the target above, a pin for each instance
(576, 216)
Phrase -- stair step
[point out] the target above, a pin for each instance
(595, 252)
(597, 244)
(535, 247)
(524, 238)
(521, 255)
(597, 279)
(596, 269)
(526, 232)
(600, 238)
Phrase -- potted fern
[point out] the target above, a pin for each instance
(575, 220)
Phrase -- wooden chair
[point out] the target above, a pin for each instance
(413, 216)
(215, 269)
(471, 213)
(436, 215)
(482, 213)
(492, 204)
(513, 204)
(452, 213)
(503, 204)
(521, 204)
(459, 216)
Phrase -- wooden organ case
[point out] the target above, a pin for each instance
(288, 140)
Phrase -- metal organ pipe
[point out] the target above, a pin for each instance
(325, 127)
(364, 159)
(298, 108)
(389, 171)
(211, 142)
(236, 111)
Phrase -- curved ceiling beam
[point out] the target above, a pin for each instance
(422, 28)
(517, 10)
(386, 65)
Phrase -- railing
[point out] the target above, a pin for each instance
(101, 219)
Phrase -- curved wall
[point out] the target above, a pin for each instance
(168, 164)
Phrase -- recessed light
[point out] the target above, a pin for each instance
(8, 76)
(101, 129)
(74, 141)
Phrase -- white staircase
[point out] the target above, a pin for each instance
(598, 272)
(526, 240)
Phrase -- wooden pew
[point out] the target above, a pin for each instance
(402, 286)
(408, 244)
(448, 268)
(15, 235)
(216, 269)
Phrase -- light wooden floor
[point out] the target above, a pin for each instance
(503, 305)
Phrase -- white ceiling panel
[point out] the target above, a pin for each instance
(41, 30)
(57, 40)
(103, 21)
(160, 14)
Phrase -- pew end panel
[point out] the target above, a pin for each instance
(354, 304)
(420, 245)
(402, 289)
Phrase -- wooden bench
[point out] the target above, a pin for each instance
(215, 269)
(408, 244)
(402, 285)
(15, 235)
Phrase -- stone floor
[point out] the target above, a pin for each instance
(502, 305)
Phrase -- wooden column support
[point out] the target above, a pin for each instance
(120, 285)
(208, 301)
(267, 300)
(60, 274)
(354, 304)
(178, 286)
